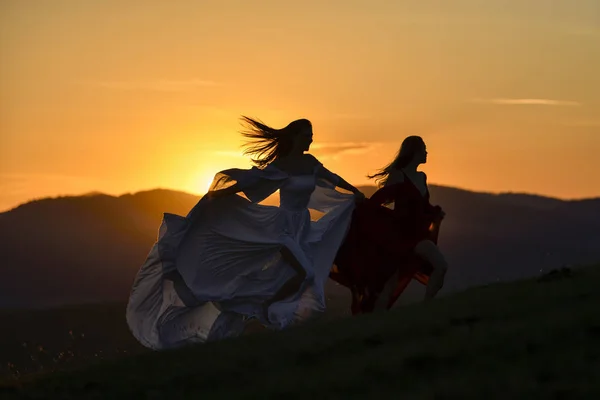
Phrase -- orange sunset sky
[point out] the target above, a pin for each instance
(122, 96)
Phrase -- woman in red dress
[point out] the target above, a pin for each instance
(386, 248)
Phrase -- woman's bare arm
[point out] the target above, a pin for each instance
(337, 180)
(342, 183)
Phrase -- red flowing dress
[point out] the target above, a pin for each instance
(381, 241)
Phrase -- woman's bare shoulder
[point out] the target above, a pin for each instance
(311, 159)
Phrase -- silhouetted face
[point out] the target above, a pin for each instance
(421, 154)
(304, 139)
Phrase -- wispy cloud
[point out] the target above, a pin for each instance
(322, 150)
(336, 149)
(528, 102)
(157, 85)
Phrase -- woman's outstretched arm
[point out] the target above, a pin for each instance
(335, 179)
(342, 183)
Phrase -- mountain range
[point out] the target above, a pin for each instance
(84, 249)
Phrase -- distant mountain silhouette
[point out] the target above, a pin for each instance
(89, 248)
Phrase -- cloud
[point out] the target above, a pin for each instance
(158, 85)
(343, 148)
(322, 150)
(528, 102)
(336, 150)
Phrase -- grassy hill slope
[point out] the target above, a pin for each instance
(528, 339)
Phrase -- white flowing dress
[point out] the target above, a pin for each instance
(211, 271)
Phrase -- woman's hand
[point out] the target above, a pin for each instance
(441, 214)
(438, 213)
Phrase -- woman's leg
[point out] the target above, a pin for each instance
(386, 293)
(429, 251)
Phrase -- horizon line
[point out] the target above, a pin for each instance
(132, 193)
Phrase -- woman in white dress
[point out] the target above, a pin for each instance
(232, 258)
